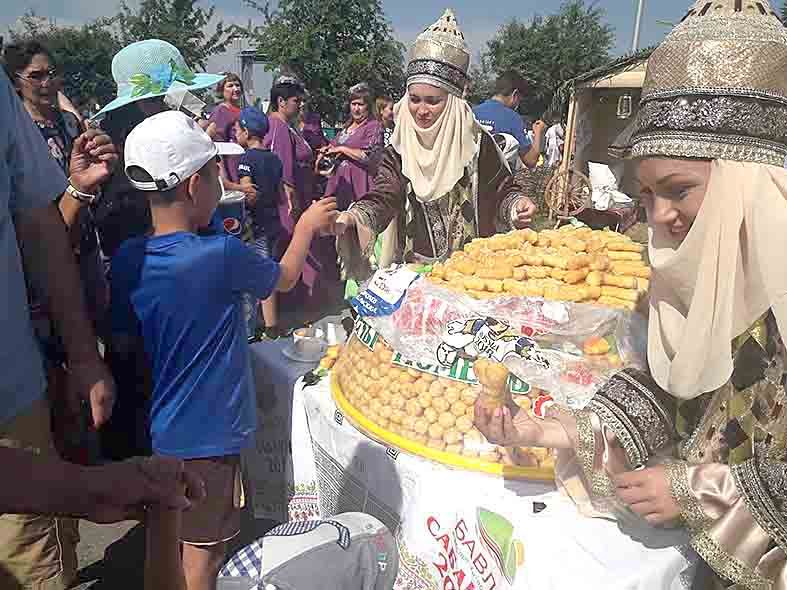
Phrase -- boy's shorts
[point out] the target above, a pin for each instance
(216, 519)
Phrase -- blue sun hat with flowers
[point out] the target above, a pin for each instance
(147, 69)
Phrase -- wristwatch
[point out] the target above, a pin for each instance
(79, 195)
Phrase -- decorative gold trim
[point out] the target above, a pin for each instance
(715, 147)
(759, 502)
(727, 565)
(690, 508)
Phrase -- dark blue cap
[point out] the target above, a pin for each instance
(254, 121)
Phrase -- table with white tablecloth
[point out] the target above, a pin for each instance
(461, 530)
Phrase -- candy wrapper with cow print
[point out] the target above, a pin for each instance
(566, 349)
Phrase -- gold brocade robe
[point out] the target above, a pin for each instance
(725, 454)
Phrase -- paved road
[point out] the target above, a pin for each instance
(111, 557)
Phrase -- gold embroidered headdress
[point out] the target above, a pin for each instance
(716, 88)
(440, 56)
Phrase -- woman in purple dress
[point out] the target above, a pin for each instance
(356, 150)
(221, 127)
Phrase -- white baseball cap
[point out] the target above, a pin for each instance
(171, 148)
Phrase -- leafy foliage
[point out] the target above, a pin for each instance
(330, 45)
(551, 49)
(181, 22)
(83, 54)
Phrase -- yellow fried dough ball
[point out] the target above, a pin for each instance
(376, 405)
(408, 434)
(397, 402)
(459, 409)
(469, 453)
(431, 415)
(436, 388)
(425, 400)
(436, 431)
(408, 422)
(464, 424)
(386, 412)
(452, 436)
(523, 402)
(440, 404)
(397, 417)
(421, 387)
(452, 394)
(421, 426)
(407, 392)
(469, 395)
(413, 408)
(383, 422)
(446, 420)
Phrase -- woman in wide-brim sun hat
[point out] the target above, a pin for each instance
(147, 69)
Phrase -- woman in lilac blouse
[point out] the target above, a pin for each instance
(221, 127)
(356, 149)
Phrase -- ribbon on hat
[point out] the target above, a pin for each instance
(160, 79)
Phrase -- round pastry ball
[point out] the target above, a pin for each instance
(436, 431)
(440, 404)
(414, 408)
(406, 391)
(397, 416)
(383, 423)
(428, 377)
(469, 453)
(421, 387)
(459, 409)
(431, 415)
(386, 412)
(376, 405)
(470, 395)
(397, 402)
(409, 422)
(464, 424)
(425, 400)
(421, 426)
(447, 420)
(452, 436)
(452, 394)
(436, 388)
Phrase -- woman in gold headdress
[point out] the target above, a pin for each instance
(701, 439)
(442, 181)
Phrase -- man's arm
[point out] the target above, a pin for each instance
(530, 158)
(48, 257)
(111, 493)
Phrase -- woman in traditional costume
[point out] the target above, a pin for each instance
(442, 181)
(700, 440)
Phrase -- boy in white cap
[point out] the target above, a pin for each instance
(183, 293)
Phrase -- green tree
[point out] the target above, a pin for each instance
(83, 54)
(482, 80)
(181, 22)
(330, 45)
(551, 49)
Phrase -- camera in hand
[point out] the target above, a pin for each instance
(326, 165)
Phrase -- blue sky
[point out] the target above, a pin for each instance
(478, 18)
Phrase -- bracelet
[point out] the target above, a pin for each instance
(79, 195)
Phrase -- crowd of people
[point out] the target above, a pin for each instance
(130, 301)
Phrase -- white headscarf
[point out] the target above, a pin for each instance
(727, 272)
(434, 159)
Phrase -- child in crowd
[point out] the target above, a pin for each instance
(184, 293)
(262, 169)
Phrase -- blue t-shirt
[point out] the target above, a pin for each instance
(500, 119)
(185, 291)
(264, 168)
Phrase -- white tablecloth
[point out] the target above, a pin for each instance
(442, 518)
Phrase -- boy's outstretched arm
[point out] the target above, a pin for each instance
(319, 216)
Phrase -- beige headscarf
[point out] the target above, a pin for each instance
(729, 270)
(434, 159)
